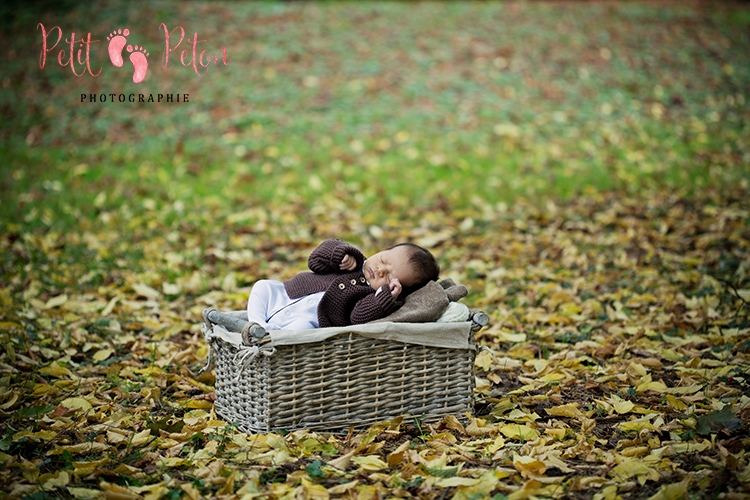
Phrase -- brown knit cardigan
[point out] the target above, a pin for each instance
(348, 299)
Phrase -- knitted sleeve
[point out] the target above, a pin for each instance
(329, 254)
(375, 306)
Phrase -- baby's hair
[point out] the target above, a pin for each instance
(425, 267)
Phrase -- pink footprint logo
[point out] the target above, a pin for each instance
(140, 63)
(117, 42)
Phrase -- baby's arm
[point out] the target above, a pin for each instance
(375, 306)
(330, 254)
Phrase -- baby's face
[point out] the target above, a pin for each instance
(391, 264)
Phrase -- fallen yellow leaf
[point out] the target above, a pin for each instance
(200, 403)
(675, 491)
(39, 435)
(511, 337)
(635, 451)
(631, 468)
(191, 491)
(56, 370)
(519, 432)
(681, 448)
(529, 466)
(370, 463)
(55, 480)
(621, 405)
(483, 361)
(79, 448)
(635, 425)
(690, 389)
(173, 462)
(652, 386)
(76, 404)
(566, 410)
(56, 301)
(86, 468)
(452, 482)
(85, 493)
(341, 489)
(102, 354)
(141, 438)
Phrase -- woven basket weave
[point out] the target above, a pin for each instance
(347, 380)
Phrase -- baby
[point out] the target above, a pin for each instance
(344, 288)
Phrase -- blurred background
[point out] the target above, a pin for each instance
(582, 167)
(372, 121)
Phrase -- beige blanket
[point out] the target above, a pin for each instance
(449, 335)
(413, 323)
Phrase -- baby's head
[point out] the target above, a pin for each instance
(410, 264)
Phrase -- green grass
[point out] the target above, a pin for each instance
(382, 105)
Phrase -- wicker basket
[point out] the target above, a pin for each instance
(343, 381)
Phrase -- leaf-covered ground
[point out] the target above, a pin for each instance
(582, 168)
(619, 329)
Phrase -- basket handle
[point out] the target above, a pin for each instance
(478, 320)
(228, 321)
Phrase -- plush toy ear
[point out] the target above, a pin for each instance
(453, 291)
(447, 283)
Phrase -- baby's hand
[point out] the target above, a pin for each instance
(349, 263)
(395, 286)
